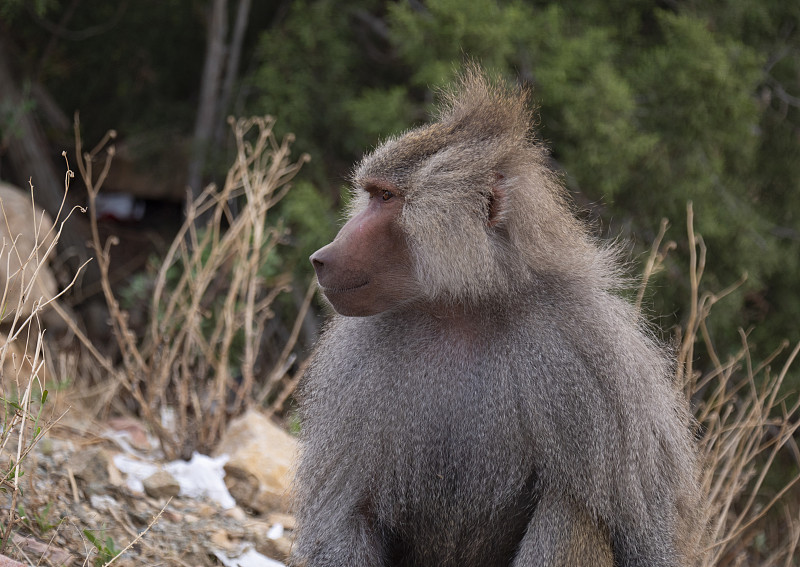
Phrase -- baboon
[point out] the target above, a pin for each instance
(483, 396)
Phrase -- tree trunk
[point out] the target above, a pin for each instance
(231, 68)
(209, 93)
(31, 157)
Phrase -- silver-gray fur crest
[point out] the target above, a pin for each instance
(482, 144)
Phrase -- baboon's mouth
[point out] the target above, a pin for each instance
(341, 289)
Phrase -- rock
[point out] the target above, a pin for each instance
(46, 552)
(277, 540)
(237, 514)
(206, 511)
(260, 458)
(46, 446)
(21, 222)
(8, 562)
(221, 539)
(286, 520)
(16, 365)
(161, 485)
(94, 470)
(279, 547)
(103, 503)
(133, 431)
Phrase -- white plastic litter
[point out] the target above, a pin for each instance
(203, 477)
(135, 470)
(249, 557)
(119, 206)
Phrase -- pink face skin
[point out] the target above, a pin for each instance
(367, 268)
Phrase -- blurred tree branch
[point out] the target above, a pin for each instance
(215, 92)
(29, 153)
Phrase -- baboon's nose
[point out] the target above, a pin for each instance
(318, 262)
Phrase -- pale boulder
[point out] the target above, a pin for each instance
(261, 454)
(24, 229)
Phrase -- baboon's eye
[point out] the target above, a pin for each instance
(375, 190)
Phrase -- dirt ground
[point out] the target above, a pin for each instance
(76, 508)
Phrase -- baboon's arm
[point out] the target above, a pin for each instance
(347, 542)
(561, 534)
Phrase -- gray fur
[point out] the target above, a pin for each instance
(515, 411)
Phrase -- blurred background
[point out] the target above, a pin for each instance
(645, 106)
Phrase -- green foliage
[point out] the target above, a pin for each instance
(435, 39)
(10, 8)
(139, 289)
(293, 423)
(33, 410)
(308, 214)
(316, 103)
(38, 521)
(377, 113)
(589, 111)
(644, 109)
(132, 69)
(704, 148)
(324, 106)
(644, 105)
(106, 548)
(10, 115)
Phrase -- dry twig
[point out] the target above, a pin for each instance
(24, 388)
(744, 424)
(211, 298)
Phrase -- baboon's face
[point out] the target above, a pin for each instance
(367, 268)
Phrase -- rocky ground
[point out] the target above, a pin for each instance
(92, 489)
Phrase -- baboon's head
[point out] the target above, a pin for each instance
(456, 212)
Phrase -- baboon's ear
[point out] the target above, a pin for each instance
(497, 202)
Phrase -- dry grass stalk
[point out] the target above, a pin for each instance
(139, 535)
(23, 371)
(215, 307)
(744, 422)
